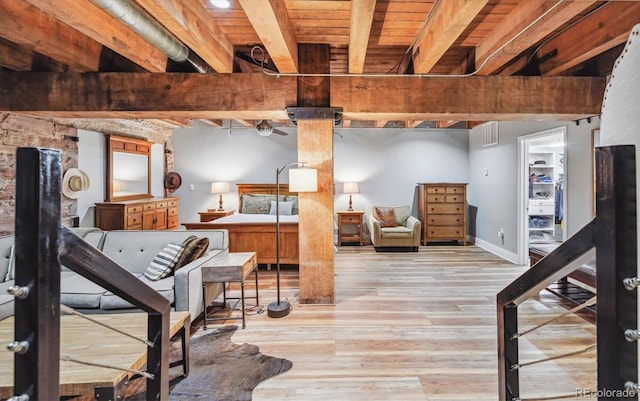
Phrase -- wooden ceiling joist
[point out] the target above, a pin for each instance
(360, 28)
(447, 21)
(245, 96)
(605, 29)
(15, 57)
(270, 20)
(104, 29)
(54, 39)
(190, 22)
(520, 18)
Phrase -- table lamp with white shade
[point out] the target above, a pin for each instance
(220, 187)
(350, 188)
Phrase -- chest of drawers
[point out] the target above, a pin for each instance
(142, 214)
(442, 209)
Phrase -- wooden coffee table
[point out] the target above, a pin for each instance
(84, 340)
(233, 267)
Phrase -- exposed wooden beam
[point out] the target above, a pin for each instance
(446, 124)
(271, 22)
(104, 29)
(190, 22)
(140, 95)
(246, 123)
(212, 122)
(52, 38)
(603, 30)
(346, 123)
(244, 96)
(522, 16)
(359, 30)
(490, 98)
(177, 122)
(14, 57)
(314, 91)
(413, 123)
(447, 21)
(380, 123)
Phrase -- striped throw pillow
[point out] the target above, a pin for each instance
(164, 262)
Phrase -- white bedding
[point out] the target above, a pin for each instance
(237, 218)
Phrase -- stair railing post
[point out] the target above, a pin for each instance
(616, 259)
(37, 314)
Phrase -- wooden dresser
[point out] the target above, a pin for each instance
(442, 209)
(139, 214)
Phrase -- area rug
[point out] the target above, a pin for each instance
(220, 370)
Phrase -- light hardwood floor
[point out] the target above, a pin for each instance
(413, 326)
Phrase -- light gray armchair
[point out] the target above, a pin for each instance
(393, 228)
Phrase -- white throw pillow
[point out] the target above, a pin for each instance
(164, 262)
(11, 271)
(285, 208)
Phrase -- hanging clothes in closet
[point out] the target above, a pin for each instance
(559, 211)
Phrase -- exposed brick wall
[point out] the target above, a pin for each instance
(23, 131)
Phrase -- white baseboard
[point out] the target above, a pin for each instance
(496, 250)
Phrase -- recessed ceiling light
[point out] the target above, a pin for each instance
(220, 3)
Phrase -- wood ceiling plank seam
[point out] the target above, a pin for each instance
(324, 5)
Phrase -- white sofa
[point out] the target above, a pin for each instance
(133, 250)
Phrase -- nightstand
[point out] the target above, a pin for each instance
(354, 218)
(213, 214)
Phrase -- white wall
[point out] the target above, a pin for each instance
(387, 163)
(494, 196)
(92, 160)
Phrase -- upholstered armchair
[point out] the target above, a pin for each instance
(394, 228)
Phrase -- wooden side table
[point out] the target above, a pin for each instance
(234, 267)
(213, 214)
(354, 218)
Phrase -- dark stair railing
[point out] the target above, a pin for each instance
(613, 235)
(41, 245)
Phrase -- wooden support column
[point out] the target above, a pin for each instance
(315, 147)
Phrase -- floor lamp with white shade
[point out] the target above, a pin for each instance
(300, 180)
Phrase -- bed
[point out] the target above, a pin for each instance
(254, 230)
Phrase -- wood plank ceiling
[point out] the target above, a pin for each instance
(528, 38)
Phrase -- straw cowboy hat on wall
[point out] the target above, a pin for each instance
(74, 182)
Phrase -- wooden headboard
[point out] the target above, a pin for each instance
(267, 189)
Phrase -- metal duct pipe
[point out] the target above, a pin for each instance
(143, 25)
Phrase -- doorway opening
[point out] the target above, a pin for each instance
(542, 190)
